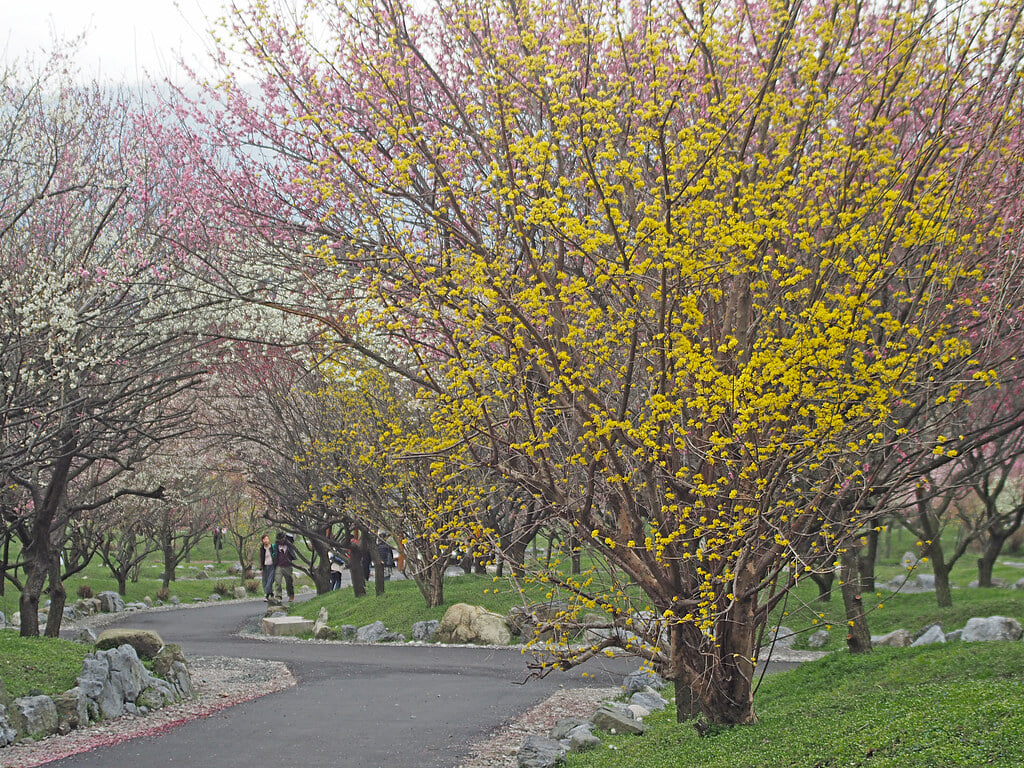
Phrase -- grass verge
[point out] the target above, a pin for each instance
(948, 705)
(31, 665)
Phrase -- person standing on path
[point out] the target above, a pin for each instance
(285, 546)
(266, 558)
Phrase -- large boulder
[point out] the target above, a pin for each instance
(582, 738)
(991, 628)
(145, 642)
(39, 715)
(72, 709)
(473, 624)
(3, 620)
(818, 639)
(781, 637)
(425, 631)
(540, 752)
(616, 720)
(649, 699)
(930, 636)
(10, 718)
(642, 678)
(898, 638)
(110, 602)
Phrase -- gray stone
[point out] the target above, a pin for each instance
(240, 593)
(424, 631)
(954, 636)
(348, 631)
(280, 626)
(15, 619)
(82, 635)
(614, 720)
(582, 738)
(158, 694)
(560, 730)
(146, 642)
(999, 583)
(202, 575)
(235, 569)
(930, 636)
(214, 597)
(464, 623)
(783, 637)
(127, 672)
(70, 614)
(540, 752)
(642, 678)
(110, 602)
(991, 628)
(39, 714)
(649, 699)
(371, 633)
(174, 600)
(180, 678)
(137, 606)
(898, 638)
(3, 619)
(638, 712)
(167, 655)
(909, 560)
(924, 582)
(818, 639)
(94, 676)
(321, 631)
(8, 733)
(148, 601)
(72, 709)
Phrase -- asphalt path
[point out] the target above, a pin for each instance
(383, 706)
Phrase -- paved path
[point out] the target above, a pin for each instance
(371, 706)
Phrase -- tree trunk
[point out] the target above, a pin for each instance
(866, 562)
(170, 563)
(943, 592)
(122, 584)
(824, 582)
(58, 599)
(990, 550)
(39, 554)
(858, 636)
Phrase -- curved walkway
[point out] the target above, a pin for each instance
(354, 705)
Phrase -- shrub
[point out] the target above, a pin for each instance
(163, 594)
(84, 591)
(252, 586)
(222, 588)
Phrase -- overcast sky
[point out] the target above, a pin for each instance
(125, 39)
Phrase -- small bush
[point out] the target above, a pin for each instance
(84, 591)
(163, 594)
(252, 586)
(222, 588)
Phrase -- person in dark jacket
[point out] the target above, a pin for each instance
(285, 546)
(266, 559)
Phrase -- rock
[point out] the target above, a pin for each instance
(3, 619)
(174, 600)
(70, 614)
(320, 629)
(615, 720)
(235, 569)
(639, 712)
(202, 575)
(782, 637)
(540, 752)
(924, 582)
(464, 623)
(145, 642)
(522, 619)
(954, 636)
(649, 699)
(148, 601)
(279, 626)
(110, 602)
(39, 715)
(371, 633)
(898, 638)
(240, 593)
(991, 628)
(582, 738)
(930, 636)
(72, 710)
(158, 694)
(560, 730)
(213, 598)
(15, 619)
(82, 635)
(348, 631)
(909, 560)
(10, 718)
(818, 639)
(425, 631)
(642, 678)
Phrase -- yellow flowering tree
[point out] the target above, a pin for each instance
(701, 281)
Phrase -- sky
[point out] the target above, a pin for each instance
(126, 40)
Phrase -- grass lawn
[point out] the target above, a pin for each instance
(39, 664)
(938, 706)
